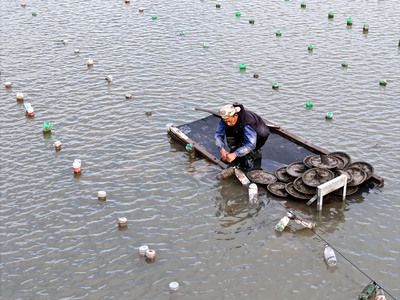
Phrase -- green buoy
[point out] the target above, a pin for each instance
(329, 115)
(47, 127)
(278, 33)
(349, 22)
(238, 14)
(242, 67)
(303, 5)
(310, 47)
(34, 14)
(309, 104)
(344, 64)
(275, 85)
(154, 18)
(181, 33)
(189, 147)
(205, 45)
(251, 21)
(365, 28)
(331, 15)
(383, 82)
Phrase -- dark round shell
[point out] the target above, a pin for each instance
(366, 167)
(344, 172)
(283, 176)
(316, 176)
(324, 161)
(277, 189)
(296, 169)
(302, 188)
(359, 176)
(307, 162)
(295, 193)
(261, 177)
(343, 156)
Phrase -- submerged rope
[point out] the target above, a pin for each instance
(340, 253)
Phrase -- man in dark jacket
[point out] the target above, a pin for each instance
(245, 133)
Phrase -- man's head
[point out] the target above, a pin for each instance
(229, 114)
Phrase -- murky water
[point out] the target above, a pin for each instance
(59, 242)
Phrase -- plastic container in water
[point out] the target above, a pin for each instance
(275, 85)
(122, 222)
(20, 97)
(278, 33)
(383, 82)
(90, 62)
(141, 9)
(109, 78)
(238, 14)
(76, 166)
(329, 115)
(101, 195)
(331, 15)
(8, 85)
(367, 292)
(253, 193)
(281, 225)
(77, 51)
(349, 21)
(310, 47)
(309, 104)
(47, 127)
(242, 67)
(330, 257)
(379, 294)
(29, 112)
(173, 286)
(57, 145)
(150, 254)
(143, 249)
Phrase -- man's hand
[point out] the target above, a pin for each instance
(230, 157)
(224, 154)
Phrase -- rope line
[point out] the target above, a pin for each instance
(340, 253)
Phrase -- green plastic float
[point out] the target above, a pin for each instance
(309, 104)
(329, 115)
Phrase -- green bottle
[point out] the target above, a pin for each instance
(368, 291)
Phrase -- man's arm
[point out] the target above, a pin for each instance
(220, 135)
(249, 141)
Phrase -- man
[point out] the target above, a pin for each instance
(245, 133)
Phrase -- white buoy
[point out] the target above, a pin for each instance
(128, 96)
(76, 165)
(122, 222)
(109, 78)
(143, 249)
(151, 254)
(174, 286)
(101, 195)
(64, 42)
(77, 50)
(253, 193)
(20, 97)
(8, 85)
(141, 9)
(90, 62)
(57, 145)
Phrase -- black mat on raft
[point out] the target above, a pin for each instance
(277, 151)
